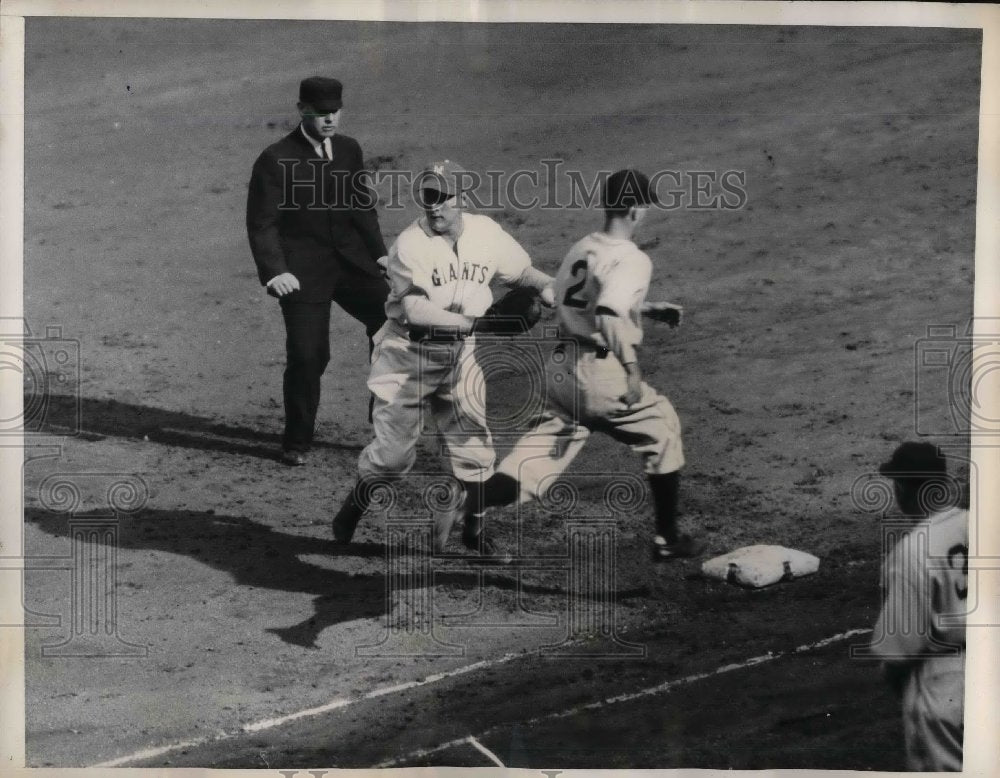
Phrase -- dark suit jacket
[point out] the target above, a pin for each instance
(312, 217)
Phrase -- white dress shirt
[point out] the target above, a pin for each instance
(323, 149)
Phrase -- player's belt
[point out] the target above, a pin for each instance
(435, 335)
(599, 352)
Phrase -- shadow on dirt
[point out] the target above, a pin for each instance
(260, 557)
(98, 418)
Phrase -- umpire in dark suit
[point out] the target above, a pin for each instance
(315, 237)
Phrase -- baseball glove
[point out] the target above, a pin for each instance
(670, 313)
(513, 314)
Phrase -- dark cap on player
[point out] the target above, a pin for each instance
(445, 176)
(627, 188)
(915, 459)
(321, 94)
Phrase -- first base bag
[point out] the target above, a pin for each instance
(758, 566)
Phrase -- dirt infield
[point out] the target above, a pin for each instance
(793, 374)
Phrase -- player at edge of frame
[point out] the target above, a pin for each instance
(920, 632)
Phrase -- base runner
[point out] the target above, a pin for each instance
(600, 293)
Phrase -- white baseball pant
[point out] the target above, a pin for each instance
(585, 397)
(410, 380)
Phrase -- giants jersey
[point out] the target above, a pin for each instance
(601, 271)
(457, 278)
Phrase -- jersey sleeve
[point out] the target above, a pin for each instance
(512, 259)
(406, 270)
(622, 283)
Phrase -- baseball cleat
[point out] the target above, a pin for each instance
(343, 531)
(345, 522)
(685, 547)
(473, 537)
(476, 540)
(293, 458)
(481, 544)
(487, 550)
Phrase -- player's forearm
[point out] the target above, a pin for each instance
(533, 278)
(613, 329)
(421, 312)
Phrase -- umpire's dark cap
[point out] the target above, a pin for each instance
(627, 188)
(915, 459)
(321, 94)
(446, 176)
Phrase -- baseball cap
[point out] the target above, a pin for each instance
(915, 459)
(626, 188)
(322, 94)
(446, 176)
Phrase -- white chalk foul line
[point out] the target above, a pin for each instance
(485, 751)
(658, 689)
(343, 702)
(335, 704)
(150, 753)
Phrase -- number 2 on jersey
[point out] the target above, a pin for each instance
(579, 268)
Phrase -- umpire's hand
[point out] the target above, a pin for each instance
(282, 284)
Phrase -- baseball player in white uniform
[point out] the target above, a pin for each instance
(439, 272)
(920, 633)
(600, 293)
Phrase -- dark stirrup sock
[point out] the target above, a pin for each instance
(665, 490)
(499, 489)
(350, 513)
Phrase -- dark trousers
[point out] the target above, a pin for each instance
(307, 348)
